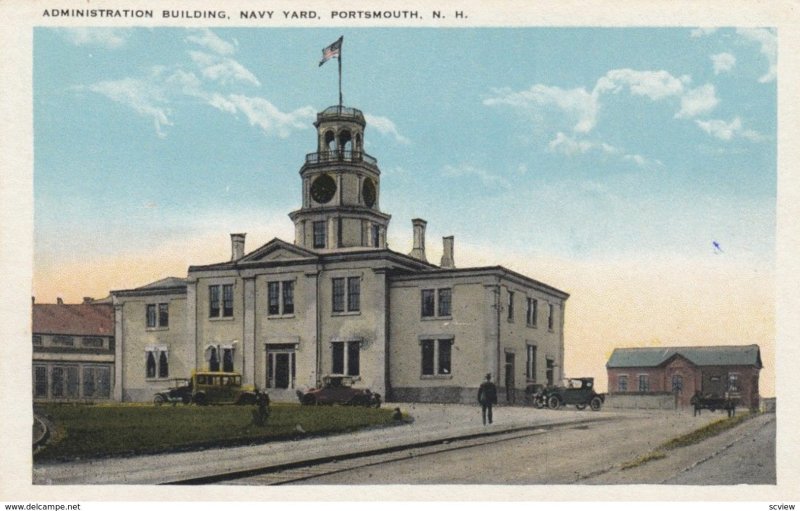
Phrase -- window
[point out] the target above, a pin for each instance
(280, 298)
(533, 306)
(445, 296)
(376, 236)
(213, 359)
(353, 294)
(64, 383)
(92, 342)
(511, 305)
(436, 357)
(677, 384)
(156, 362)
(319, 234)
(644, 383)
(346, 358)
(346, 291)
(96, 382)
(157, 315)
(733, 383)
(428, 305)
(530, 363)
(63, 340)
(550, 370)
(622, 383)
(437, 302)
(220, 299)
(39, 381)
(227, 360)
(550, 312)
(37, 340)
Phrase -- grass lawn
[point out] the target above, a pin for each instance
(94, 431)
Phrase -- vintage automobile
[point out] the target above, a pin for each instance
(577, 391)
(208, 387)
(180, 391)
(339, 390)
(536, 395)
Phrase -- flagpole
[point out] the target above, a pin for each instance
(340, 77)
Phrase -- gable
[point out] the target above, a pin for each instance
(277, 250)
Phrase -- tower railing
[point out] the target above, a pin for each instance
(341, 112)
(343, 156)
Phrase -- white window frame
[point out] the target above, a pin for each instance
(281, 284)
(437, 341)
(531, 351)
(155, 351)
(436, 302)
(533, 311)
(346, 298)
(347, 345)
(622, 378)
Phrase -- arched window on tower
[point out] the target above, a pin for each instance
(345, 143)
(330, 140)
(359, 147)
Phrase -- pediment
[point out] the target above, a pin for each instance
(277, 250)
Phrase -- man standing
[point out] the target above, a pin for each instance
(487, 396)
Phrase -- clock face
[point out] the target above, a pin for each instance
(368, 192)
(323, 189)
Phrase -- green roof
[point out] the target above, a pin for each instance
(749, 355)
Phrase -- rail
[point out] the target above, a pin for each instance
(343, 156)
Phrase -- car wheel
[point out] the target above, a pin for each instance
(309, 399)
(158, 400)
(538, 402)
(200, 400)
(554, 402)
(596, 403)
(581, 406)
(186, 399)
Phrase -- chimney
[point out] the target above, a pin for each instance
(59, 301)
(237, 246)
(418, 252)
(447, 254)
(87, 299)
(33, 300)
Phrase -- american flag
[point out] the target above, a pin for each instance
(332, 51)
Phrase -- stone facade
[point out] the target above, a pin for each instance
(337, 301)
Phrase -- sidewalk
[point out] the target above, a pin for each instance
(432, 423)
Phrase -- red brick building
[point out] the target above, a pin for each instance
(713, 370)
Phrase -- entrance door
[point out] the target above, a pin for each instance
(510, 377)
(280, 367)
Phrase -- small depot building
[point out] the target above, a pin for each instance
(681, 371)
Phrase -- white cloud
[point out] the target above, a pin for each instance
(728, 130)
(385, 126)
(265, 115)
(484, 176)
(702, 32)
(723, 62)
(653, 84)
(570, 146)
(769, 48)
(208, 39)
(141, 96)
(222, 69)
(105, 37)
(579, 104)
(697, 101)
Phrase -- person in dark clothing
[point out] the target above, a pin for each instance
(695, 402)
(487, 396)
(261, 415)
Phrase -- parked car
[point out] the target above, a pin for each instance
(180, 391)
(209, 387)
(577, 391)
(536, 394)
(339, 390)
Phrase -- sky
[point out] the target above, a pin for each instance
(632, 168)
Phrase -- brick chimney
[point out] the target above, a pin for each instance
(447, 254)
(59, 301)
(237, 246)
(418, 252)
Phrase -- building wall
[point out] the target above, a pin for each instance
(136, 339)
(82, 371)
(473, 327)
(706, 379)
(516, 334)
(220, 332)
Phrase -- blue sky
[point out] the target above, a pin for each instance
(553, 151)
(583, 141)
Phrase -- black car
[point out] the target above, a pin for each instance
(577, 391)
(180, 391)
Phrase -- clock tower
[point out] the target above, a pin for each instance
(341, 188)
